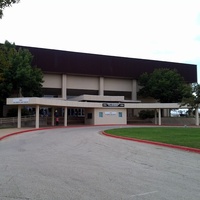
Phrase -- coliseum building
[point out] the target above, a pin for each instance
(95, 89)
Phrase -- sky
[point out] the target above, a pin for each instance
(166, 30)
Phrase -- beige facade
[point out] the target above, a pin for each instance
(52, 81)
(74, 96)
(105, 116)
(112, 84)
(82, 82)
(93, 86)
(89, 85)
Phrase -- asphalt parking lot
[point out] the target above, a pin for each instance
(80, 163)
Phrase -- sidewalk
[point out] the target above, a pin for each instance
(8, 131)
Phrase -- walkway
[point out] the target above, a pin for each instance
(6, 131)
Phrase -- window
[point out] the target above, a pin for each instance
(120, 114)
(75, 112)
(100, 114)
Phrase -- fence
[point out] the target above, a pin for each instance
(13, 120)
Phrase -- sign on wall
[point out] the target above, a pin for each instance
(110, 113)
(21, 100)
(113, 104)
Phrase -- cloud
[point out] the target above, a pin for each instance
(163, 30)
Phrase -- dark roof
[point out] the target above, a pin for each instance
(57, 61)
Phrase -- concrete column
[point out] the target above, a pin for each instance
(64, 86)
(155, 115)
(19, 116)
(197, 116)
(37, 116)
(166, 112)
(101, 86)
(134, 90)
(52, 116)
(159, 116)
(65, 117)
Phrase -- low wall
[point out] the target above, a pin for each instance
(178, 121)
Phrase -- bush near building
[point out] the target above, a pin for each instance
(145, 114)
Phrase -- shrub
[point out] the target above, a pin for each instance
(144, 114)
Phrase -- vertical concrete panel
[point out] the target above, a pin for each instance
(159, 116)
(155, 116)
(64, 86)
(52, 116)
(65, 117)
(37, 116)
(19, 116)
(101, 86)
(134, 90)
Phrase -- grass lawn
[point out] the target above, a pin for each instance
(183, 136)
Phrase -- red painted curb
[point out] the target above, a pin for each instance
(17, 133)
(106, 134)
(53, 127)
(155, 143)
(29, 130)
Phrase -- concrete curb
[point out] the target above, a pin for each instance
(194, 150)
(18, 132)
(109, 135)
(46, 128)
(29, 130)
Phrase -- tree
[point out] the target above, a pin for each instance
(17, 76)
(6, 3)
(194, 100)
(164, 85)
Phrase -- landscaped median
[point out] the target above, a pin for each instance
(184, 138)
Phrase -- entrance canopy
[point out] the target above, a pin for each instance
(53, 102)
(102, 104)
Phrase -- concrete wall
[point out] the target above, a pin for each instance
(87, 82)
(82, 82)
(52, 81)
(105, 116)
(110, 116)
(112, 84)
